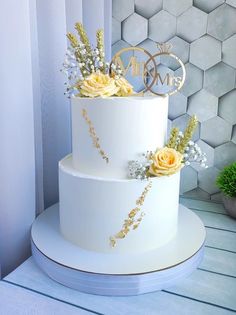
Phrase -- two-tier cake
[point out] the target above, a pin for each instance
(119, 189)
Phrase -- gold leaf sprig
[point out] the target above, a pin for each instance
(73, 40)
(134, 217)
(100, 47)
(172, 142)
(94, 136)
(83, 36)
(188, 133)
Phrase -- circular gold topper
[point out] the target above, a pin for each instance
(165, 83)
(147, 72)
(131, 61)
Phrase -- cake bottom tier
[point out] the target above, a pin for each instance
(117, 216)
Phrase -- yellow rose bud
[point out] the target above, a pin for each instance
(98, 85)
(166, 161)
(125, 89)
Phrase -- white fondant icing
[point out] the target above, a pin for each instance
(92, 209)
(125, 126)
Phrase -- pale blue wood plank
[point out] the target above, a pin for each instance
(209, 287)
(18, 301)
(219, 261)
(203, 205)
(28, 274)
(219, 221)
(221, 239)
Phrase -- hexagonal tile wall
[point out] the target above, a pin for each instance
(162, 26)
(133, 34)
(216, 131)
(177, 105)
(194, 79)
(116, 31)
(205, 52)
(177, 7)
(227, 107)
(148, 8)
(225, 154)
(203, 34)
(180, 48)
(192, 24)
(207, 6)
(219, 79)
(203, 104)
(121, 9)
(228, 51)
(207, 179)
(222, 22)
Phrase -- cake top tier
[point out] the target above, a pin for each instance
(108, 133)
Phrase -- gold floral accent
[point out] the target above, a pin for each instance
(98, 85)
(93, 135)
(173, 138)
(134, 218)
(166, 161)
(188, 133)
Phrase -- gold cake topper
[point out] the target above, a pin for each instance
(148, 71)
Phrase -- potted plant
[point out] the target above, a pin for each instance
(226, 181)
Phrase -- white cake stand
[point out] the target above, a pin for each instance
(112, 274)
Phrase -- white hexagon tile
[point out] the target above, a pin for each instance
(203, 35)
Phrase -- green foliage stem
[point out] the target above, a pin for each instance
(226, 180)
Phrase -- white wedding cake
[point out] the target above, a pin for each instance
(119, 188)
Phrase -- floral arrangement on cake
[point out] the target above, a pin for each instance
(88, 73)
(179, 151)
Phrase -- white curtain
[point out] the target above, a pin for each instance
(34, 114)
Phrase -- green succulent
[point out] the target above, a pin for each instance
(226, 180)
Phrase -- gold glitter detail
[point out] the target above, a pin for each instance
(134, 218)
(94, 136)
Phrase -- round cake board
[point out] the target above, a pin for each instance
(116, 274)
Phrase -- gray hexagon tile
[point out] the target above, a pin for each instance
(148, 8)
(207, 179)
(216, 131)
(177, 105)
(227, 107)
(194, 79)
(116, 31)
(181, 123)
(188, 179)
(207, 6)
(231, 2)
(225, 154)
(219, 79)
(149, 45)
(197, 193)
(205, 52)
(234, 135)
(192, 24)
(203, 104)
(228, 51)
(181, 49)
(222, 22)
(162, 26)
(133, 34)
(118, 46)
(121, 9)
(209, 154)
(177, 7)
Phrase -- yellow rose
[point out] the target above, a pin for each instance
(98, 84)
(125, 89)
(166, 161)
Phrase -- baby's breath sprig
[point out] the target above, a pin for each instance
(172, 142)
(192, 124)
(100, 47)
